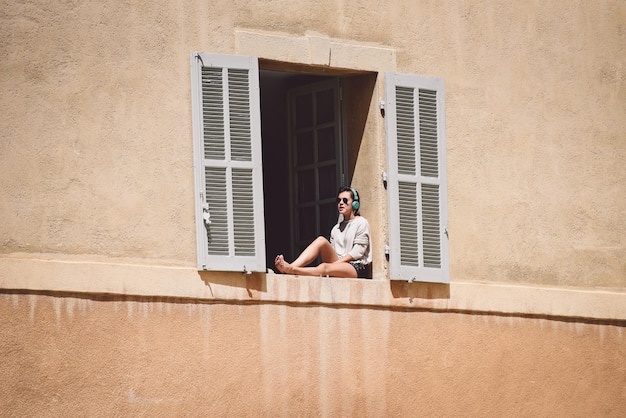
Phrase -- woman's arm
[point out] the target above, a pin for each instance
(361, 242)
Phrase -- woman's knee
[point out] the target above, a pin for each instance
(322, 244)
(320, 240)
(325, 267)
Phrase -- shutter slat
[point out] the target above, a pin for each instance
(213, 113)
(405, 108)
(217, 230)
(243, 212)
(239, 100)
(409, 238)
(429, 158)
(431, 225)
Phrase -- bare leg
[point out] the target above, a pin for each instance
(324, 269)
(319, 247)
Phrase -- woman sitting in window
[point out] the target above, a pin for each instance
(348, 254)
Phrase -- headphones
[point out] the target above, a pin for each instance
(355, 202)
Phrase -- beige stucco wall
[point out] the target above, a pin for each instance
(109, 356)
(96, 180)
(96, 124)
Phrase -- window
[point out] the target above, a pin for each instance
(251, 193)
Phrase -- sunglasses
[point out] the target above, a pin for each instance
(345, 200)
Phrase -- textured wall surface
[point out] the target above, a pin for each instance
(96, 175)
(66, 356)
(95, 125)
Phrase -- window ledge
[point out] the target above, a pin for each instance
(59, 274)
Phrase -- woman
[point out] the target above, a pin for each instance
(348, 254)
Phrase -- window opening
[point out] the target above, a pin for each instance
(303, 158)
(271, 141)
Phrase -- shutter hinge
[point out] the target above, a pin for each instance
(381, 106)
(200, 59)
(384, 178)
(386, 250)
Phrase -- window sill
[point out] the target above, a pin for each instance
(56, 274)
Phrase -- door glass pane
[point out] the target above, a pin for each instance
(328, 181)
(304, 111)
(328, 218)
(325, 106)
(305, 148)
(326, 144)
(306, 186)
(306, 223)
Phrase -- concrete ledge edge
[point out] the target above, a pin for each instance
(143, 280)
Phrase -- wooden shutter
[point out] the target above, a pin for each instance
(417, 191)
(227, 162)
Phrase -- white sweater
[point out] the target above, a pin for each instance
(353, 237)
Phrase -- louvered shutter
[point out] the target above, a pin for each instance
(417, 192)
(227, 162)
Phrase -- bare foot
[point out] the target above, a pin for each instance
(279, 262)
(282, 265)
(287, 268)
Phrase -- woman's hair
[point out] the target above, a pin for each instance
(355, 197)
